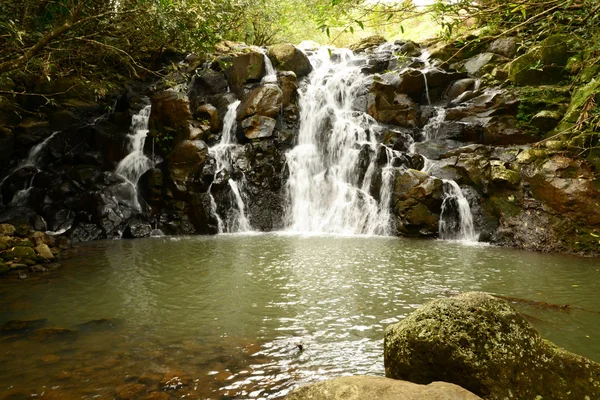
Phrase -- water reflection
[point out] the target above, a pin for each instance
(221, 317)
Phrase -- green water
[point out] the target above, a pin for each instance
(220, 317)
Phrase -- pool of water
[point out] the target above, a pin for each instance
(223, 317)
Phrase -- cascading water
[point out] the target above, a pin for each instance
(236, 221)
(33, 159)
(133, 166)
(270, 72)
(136, 163)
(326, 195)
(456, 220)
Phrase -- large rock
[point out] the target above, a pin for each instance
(378, 388)
(265, 100)
(388, 107)
(185, 161)
(506, 46)
(169, 115)
(257, 127)
(416, 202)
(367, 43)
(482, 344)
(249, 67)
(204, 85)
(543, 64)
(483, 63)
(286, 57)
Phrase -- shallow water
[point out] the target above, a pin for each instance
(220, 317)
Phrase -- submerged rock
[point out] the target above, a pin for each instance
(482, 344)
(376, 387)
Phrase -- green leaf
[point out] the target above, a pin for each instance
(352, 30)
(327, 31)
(361, 24)
(401, 29)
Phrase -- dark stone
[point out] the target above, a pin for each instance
(137, 229)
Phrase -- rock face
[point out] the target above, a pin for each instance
(374, 387)
(482, 344)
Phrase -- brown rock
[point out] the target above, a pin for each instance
(265, 100)
(379, 388)
(44, 251)
(287, 57)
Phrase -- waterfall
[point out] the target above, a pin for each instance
(325, 193)
(456, 220)
(33, 159)
(430, 130)
(223, 154)
(136, 163)
(270, 72)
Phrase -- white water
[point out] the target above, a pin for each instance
(223, 152)
(430, 130)
(455, 202)
(32, 160)
(270, 72)
(324, 188)
(133, 166)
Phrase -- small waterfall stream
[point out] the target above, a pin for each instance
(136, 163)
(236, 221)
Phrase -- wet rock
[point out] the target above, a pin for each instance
(44, 251)
(53, 334)
(367, 43)
(286, 57)
(506, 46)
(204, 86)
(249, 67)
(375, 387)
(202, 215)
(398, 140)
(86, 232)
(503, 176)
(289, 85)
(387, 107)
(185, 161)
(459, 87)
(130, 391)
(266, 100)
(63, 119)
(482, 344)
(416, 202)
(50, 359)
(502, 131)
(7, 229)
(98, 325)
(258, 126)
(170, 113)
(209, 113)
(412, 83)
(22, 326)
(137, 228)
(482, 63)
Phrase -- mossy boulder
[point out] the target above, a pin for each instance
(481, 343)
(249, 67)
(7, 229)
(544, 63)
(579, 99)
(377, 387)
(287, 57)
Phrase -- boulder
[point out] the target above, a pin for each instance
(546, 120)
(208, 113)
(265, 100)
(459, 87)
(170, 114)
(506, 47)
(412, 83)
(204, 85)
(482, 344)
(543, 64)
(249, 67)
(376, 387)
(185, 161)
(387, 107)
(416, 202)
(137, 229)
(289, 85)
(287, 57)
(482, 63)
(367, 43)
(44, 251)
(258, 126)
(7, 229)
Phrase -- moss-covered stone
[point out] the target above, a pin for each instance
(545, 63)
(7, 229)
(482, 344)
(504, 176)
